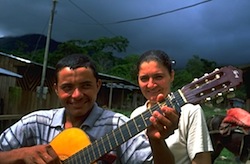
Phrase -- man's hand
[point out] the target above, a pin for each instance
(41, 154)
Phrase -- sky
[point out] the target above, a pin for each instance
(215, 30)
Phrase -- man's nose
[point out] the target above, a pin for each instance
(76, 92)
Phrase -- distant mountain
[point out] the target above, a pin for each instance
(29, 43)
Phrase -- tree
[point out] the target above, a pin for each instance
(126, 68)
(64, 49)
(117, 43)
(196, 67)
(182, 77)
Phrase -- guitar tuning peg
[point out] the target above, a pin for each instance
(216, 69)
(208, 104)
(208, 99)
(231, 93)
(195, 79)
(224, 86)
(217, 76)
(219, 94)
(219, 100)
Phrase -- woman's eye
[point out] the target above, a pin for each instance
(158, 77)
(144, 79)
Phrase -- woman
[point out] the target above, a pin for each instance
(191, 142)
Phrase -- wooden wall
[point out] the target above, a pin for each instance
(18, 96)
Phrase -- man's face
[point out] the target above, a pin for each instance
(77, 89)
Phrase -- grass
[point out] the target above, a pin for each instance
(226, 157)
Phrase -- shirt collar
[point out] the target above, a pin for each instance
(93, 116)
(58, 117)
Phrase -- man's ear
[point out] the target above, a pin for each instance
(99, 84)
(55, 88)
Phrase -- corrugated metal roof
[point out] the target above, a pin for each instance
(23, 60)
(117, 82)
(9, 73)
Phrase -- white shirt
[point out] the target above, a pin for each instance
(192, 135)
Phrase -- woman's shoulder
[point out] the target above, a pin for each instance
(138, 111)
(190, 107)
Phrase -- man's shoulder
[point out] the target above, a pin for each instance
(109, 113)
(41, 114)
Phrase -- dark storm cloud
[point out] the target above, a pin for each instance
(213, 30)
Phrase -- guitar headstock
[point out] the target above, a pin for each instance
(209, 85)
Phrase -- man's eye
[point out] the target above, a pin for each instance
(86, 86)
(66, 88)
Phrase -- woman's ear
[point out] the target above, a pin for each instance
(172, 76)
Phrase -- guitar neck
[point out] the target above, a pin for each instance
(218, 81)
(123, 133)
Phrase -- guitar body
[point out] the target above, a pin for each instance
(69, 142)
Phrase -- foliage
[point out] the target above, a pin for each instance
(195, 68)
(126, 69)
(182, 77)
(105, 51)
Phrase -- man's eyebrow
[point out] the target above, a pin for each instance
(86, 82)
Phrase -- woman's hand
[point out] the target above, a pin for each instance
(163, 124)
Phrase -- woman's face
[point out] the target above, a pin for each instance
(153, 79)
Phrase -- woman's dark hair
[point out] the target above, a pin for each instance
(155, 55)
(75, 61)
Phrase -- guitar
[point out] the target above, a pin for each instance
(81, 150)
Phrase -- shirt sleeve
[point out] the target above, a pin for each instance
(136, 150)
(13, 137)
(198, 139)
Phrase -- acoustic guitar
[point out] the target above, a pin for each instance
(73, 145)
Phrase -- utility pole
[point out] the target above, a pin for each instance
(45, 59)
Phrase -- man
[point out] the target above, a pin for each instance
(77, 85)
